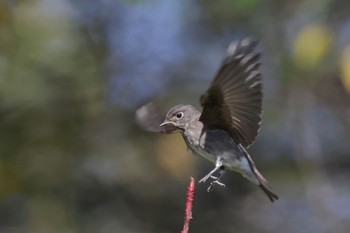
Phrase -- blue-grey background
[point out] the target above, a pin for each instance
(72, 73)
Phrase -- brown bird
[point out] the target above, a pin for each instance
(229, 122)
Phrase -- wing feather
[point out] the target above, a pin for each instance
(233, 102)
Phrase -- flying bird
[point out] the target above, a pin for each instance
(230, 119)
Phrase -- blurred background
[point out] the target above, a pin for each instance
(72, 73)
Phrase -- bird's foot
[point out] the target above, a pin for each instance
(205, 178)
(213, 183)
(216, 180)
(218, 165)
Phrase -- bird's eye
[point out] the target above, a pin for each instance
(179, 115)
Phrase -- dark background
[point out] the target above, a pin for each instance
(72, 73)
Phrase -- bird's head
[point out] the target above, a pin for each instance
(180, 116)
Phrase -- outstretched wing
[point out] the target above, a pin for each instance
(233, 101)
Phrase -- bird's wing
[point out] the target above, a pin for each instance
(149, 117)
(233, 101)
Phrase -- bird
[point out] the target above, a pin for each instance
(230, 119)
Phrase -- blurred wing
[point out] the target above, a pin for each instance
(149, 117)
(233, 101)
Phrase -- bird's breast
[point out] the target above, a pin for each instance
(213, 143)
(196, 148)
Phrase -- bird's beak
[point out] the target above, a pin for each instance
(166, 123)
(169, 127)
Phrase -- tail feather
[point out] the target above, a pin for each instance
(263, 184)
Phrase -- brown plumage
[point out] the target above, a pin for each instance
(233, 101)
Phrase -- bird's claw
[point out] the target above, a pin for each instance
(216, 181)
(204, 179)
(213, 183)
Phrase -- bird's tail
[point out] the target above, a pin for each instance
(263, 184)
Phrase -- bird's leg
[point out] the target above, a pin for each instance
(221, 174)
(217, 179)
(218, 164)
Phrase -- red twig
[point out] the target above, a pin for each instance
(191, 190)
